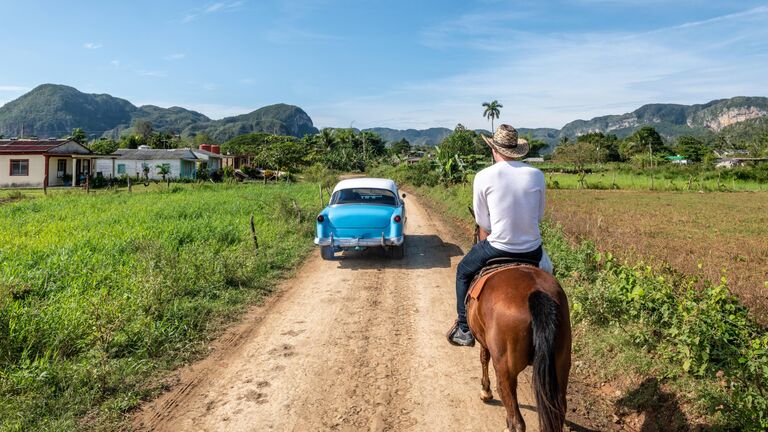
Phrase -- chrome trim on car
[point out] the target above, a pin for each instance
(352, 242)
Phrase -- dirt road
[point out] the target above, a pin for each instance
(348, 345)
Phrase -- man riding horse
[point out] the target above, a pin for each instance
(508, 199)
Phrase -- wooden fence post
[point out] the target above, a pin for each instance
(297, 209)
(129, 184)
(253, 234)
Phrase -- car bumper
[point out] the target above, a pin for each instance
(363, 242)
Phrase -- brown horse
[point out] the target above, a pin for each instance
(521, 318)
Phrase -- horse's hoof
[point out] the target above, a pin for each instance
(486, 396)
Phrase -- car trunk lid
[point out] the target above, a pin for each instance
(360, 216)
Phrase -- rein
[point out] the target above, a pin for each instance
(476, 234)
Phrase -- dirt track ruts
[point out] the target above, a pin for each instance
(346, 345)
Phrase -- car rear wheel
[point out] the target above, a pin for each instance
(396, 252)
(326, 252)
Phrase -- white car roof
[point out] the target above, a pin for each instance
(373, 183)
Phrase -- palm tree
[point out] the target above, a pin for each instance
(492, 111)
(163, 170)
(327, 138)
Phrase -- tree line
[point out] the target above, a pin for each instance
(646, 148)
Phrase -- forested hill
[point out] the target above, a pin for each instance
(52, 110)
(672, 120)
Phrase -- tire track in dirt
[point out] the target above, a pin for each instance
(347, 345)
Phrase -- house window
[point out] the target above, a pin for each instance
(121, 168)
(61, 168)
(19, 167)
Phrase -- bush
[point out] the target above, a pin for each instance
(318, 173)
(420, 174)
(697, 325)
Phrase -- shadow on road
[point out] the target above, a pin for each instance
(660, 410)
(422, 251)
(575, 427)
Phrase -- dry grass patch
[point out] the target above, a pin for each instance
(705, 234)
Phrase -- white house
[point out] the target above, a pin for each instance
(146, 163)
(45, 163)
(207, 160)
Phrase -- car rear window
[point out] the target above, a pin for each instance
(364, 196)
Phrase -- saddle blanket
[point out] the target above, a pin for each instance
(479, 282)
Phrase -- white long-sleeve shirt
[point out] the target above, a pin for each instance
(509, 199)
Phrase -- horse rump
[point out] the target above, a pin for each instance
(544, 320)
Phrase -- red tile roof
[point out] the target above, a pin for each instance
(29, 146)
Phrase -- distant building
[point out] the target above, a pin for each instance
(737, 162)
(208, 160)
(26, 163)
(534, 160)
(146, 163)
(727, 154)
(677, 159)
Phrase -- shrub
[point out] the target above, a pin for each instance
(318, 173)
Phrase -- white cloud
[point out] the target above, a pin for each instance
(92, 45)
(289, 34)
(214, 111)
(175, 56)
(546, 80)
(115, 63)
(211, 8)
(152, 73)
(13, 88)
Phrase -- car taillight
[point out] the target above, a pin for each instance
(320, 218)
(398, 219)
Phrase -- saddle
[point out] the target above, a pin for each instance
(492, 267)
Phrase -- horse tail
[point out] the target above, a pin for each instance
(544, 314)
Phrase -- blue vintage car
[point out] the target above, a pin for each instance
(362, 213)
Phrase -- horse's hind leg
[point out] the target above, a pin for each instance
(485, 393)
(507, 385)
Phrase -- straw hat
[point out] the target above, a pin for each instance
(506, 142)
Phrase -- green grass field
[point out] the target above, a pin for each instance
(629, 181)
(101, 292)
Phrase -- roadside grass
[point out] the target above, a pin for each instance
(664, 177)
(655, 334)
(608, 177)
(630, 181)
(100, 293)
(711, 235)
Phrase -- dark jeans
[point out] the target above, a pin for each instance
(473, 262)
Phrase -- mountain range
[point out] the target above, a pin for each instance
(52, 110)
(670, 120)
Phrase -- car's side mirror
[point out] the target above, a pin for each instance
(403, 196)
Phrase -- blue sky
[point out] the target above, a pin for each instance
(401, 64)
